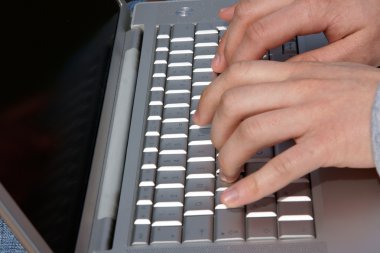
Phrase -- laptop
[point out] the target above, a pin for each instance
(153, 184)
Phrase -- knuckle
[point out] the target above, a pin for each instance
(250, 128)
(254, 186)
(227, 102)
(256, 31)
(241, 9)
(283, 165)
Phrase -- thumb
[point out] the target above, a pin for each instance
(276, 174)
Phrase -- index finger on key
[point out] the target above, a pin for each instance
(239, 74)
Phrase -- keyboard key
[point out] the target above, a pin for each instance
(296, 229)
(156, 97)
(164, 32)
(197, 187)
(229, 224)
(162, 45)
(180, 73)
(169, 197)
(141, 235)
(203, 205)
(145, 196)
(166, 235)
(171, 162)
(161, 57)
(206, 40)
(143, 215)
(177, 114)
(155, 112)
(295, 211)
(174, 130)
(199, 136)
(180, 60)
(153, 128)
(173, 146)
(178, 85)
(261, 228)
(151, 143)
(205, 28)
(204, 52)
(167, 216)
(159, 70)
(170, 179)
(198, 229)
(295, 192)
(201, 153)
(200, 170)
(186, 47)
(177, 100)
(147, 177)
(183, 32)
(149, 160)
(158, 83)
(265, 207)
(202, 65)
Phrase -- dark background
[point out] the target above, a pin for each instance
(56, 56)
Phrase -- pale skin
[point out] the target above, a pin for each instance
(324, 107)
(352, 28)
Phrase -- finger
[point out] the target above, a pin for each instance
(248, 73)
(349, 49)
(276, 174)
(258, 132)
(239, 74)
(245, 12)
(271, 31)
(227, 13)
(239, 103)
(219, 64)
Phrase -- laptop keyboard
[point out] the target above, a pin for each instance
(179, 187)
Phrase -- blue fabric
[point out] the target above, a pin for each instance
(376, 129)
(8, 242)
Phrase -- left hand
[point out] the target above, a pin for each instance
(324, 107)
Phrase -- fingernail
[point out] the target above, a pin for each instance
(223, 9)
(222, 176)
(216, 60)
(196, 116)
(229, 196)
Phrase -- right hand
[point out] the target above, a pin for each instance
(352, 28)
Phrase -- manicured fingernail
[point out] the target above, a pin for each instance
(230, 195)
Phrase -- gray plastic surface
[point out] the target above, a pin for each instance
(89, 235)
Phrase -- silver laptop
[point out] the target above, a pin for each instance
(154, 183)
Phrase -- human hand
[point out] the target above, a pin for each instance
(352, 28)
(325, 108)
